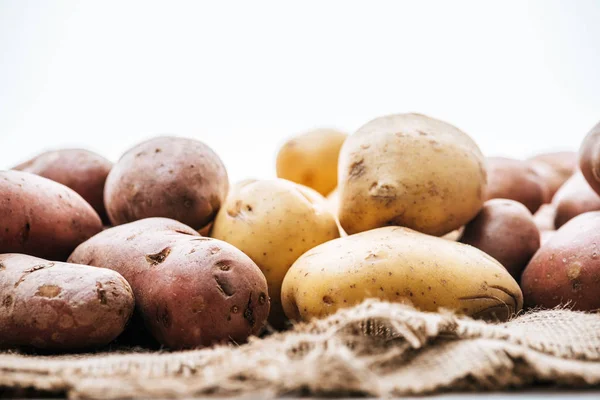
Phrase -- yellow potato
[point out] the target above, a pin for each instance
(274, 222)
(410, 170)
(311, 159)
(333, 203)
(399, 265)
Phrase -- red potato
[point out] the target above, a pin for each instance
(41, 217)
(554, 168)
(566, 269)
(573, 198)
(58, 306)
(589, 158)
(544, 217)
(190, 291)
(81, 170)
(505, 230)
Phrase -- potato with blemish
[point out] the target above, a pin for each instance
(554, 168)
(81, 170)
(311, 159)
(399, 265)
(515, 180)
(575, 197)
(566, 269)
(505, 230)
(274, 222)
(410, 170)
(41, 217)
(58, 306)
(190, 291)
(170, 177)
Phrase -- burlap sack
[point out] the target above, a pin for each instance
(375, 349)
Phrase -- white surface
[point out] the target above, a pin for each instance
(242, 76)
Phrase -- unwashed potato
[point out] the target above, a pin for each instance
(83, 171)
(190, 291)
(410, 170)
(516, 180)
(274, 222)
(566, 270)
(58, 306)
(544, 217)
(554, 168)
(505, 230)
(575, 197)
(168, 177)
(41, 217)
(589, 157)
(399, 265)
(311, 159)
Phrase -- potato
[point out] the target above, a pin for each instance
(544, 217)
(410, 170)
(516, 180)
(311, 159)
(168, 177)
(58, 306)
(81, 170)
(274, 222)
(573, 198)
(42, 218)
(566, 270)
(589, 158)
(505, 230)
(399, 265)
(333, 204)
(554, 168)
(190, 291)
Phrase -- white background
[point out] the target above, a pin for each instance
(518, 76)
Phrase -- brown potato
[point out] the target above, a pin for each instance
(589, 158)
(505, 230)
(168, 177)
(515, 180)
(566, 270)
(81, 170)
(575, 197)
(544, 217)
(59, 306)
(311, 159)
(41, 217)
(190, 291)
(554, 168)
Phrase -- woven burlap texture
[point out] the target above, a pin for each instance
(375, 349)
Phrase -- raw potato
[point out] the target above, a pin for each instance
(554, 168)
(41, 217)
(516, 180)
(333, 205)
(311, 159)
(190, 291)
(274, 222)
(566, 270)
(81, 170)
(575, 197)
(589, 158)
(544, 217)
(399, 265)
(505, 230)
(59, 306)
(168, 177)
(410, 170)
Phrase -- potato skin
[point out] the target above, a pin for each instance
(190, 291)
(589, 157)
(311, 159)
(42, 218)
(167, 177)
(399, 265)
(573, 198)
(58, 306)
(505, 230)
(516, 180)
(409, 170)
(566, 269)
(81, 170)
(554, 168)
(274, 222)
(544, 217)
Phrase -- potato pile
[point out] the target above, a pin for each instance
(160, 248)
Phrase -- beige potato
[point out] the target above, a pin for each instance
(311, 159)
(274, 222)
(333, 203)
(410, 170)
(399, 265)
